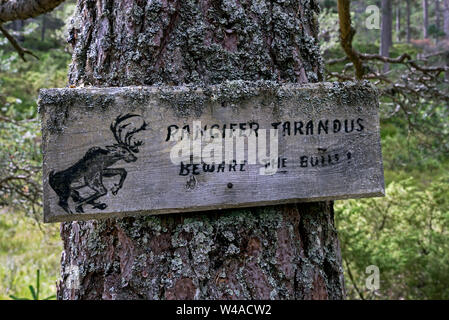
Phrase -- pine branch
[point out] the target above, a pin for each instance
(20, 10)
(23, 9)
(20, 50)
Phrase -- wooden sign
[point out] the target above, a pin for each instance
(111, 152)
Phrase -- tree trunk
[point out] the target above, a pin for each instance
(446, 59)
(408, 31)
(278, 252)
(44, 27)
(425, 7)
(446, 18)
(17, 25)
(437, 14)
(398, 22)
(386, 30)
(437, 20)
(446, 31)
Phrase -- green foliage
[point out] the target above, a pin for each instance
(405, 234)
(20, 160)
(34, 291)
(20, 81)
(27, 246)
(329, 5)
(329, 32)
(404, 154)
(20, 136)
(435, 32)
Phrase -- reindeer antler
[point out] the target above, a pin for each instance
(135, 146)
(117, 129)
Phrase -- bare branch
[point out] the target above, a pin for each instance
(347, 33)
(404, 59)
(20, 50)
(23, 9)
(419, 90)
(337, 60)
(439, 53)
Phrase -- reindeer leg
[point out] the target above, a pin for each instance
(100, 190)
(64, 194)
(91, 199)
(77, 197)
(114, 172)
(64, 204)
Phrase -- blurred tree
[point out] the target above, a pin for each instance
(446, 18)
(386, 30)
(409, 13)
(398, 21)
(437, 15)
(48, 21)
(425, 7)
(17, 26)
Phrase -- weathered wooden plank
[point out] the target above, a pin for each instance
(328, 147)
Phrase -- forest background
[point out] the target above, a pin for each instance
(405, 234)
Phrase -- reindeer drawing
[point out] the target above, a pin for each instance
(95, 165)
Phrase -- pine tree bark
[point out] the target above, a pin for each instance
(278, 252)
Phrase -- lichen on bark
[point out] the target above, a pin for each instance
(264, 253)
(190, 41)
(275, 252)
